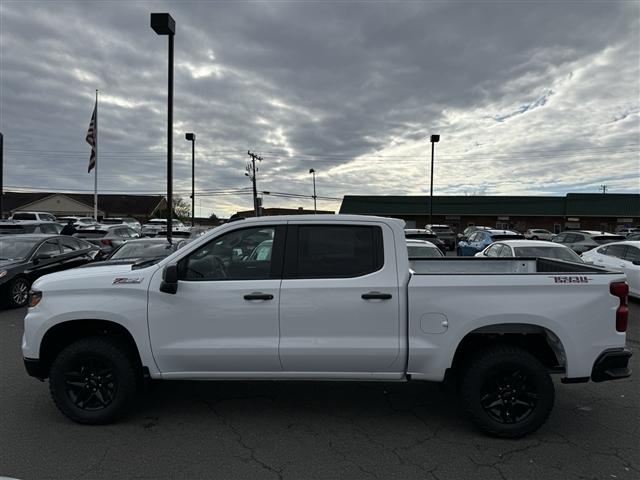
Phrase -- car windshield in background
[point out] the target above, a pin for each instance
(423, 252)
(609, 238)
(506, 237)
(421, 236)
(142, 250)
(15, 248)
(548, 252)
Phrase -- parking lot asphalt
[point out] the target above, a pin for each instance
(298, 430)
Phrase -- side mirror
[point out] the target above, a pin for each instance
(636, 262)
(169, 279)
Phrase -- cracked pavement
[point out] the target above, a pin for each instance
(300, 430)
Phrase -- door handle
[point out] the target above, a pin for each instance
(258, 296)
(376, 296)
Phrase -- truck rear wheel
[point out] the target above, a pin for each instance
(507, 391)
(93, 380)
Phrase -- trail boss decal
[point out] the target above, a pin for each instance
(125, 280)
(571, 279)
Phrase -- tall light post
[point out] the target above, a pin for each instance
(164, 24)
(313, 172)
(192, 137)
(434, 139)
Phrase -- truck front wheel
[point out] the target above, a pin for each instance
(507, 391)
(93, 380)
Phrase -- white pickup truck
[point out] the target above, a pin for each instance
(327, 297)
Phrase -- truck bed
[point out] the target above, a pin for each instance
(498, 266)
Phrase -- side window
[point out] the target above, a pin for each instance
(238, 255)
(49, 248)
(69, 245)
(472, 238)
(122, 232)
(603, 250)
(561, 238)
(492, 251)
(337, 251)
(617, 251)
(578, 238)
(505, 251)
(633, 254)
(48, 228)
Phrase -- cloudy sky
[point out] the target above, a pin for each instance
(528, 97)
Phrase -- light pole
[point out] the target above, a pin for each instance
(313, 172)
(164, 24)
(434, 139)
(192, 138)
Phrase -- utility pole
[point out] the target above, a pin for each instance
(315, 207)
(251, 173)
(434, 139)
(604, 189)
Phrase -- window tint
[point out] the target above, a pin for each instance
(24, 216)
(633, 254)
(505, 251)
(616, 251)
(338, 251)
(238, 255)
(50, 247)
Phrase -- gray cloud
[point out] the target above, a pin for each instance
(528, 97)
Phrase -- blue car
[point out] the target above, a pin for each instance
(479, 240)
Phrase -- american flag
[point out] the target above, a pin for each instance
(91, 138)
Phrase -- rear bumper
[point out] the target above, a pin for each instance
(612, 365)
(35, 368)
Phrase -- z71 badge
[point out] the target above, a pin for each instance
(571, 279)
(124, 280)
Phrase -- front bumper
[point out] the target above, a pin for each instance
(612, 365)
(35, 368)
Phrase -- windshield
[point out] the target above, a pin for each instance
(549, 252)
(15, 248)
(420, 251)
(608, 239)
(142, 250)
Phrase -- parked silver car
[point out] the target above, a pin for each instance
(538, 234)
(581, 241)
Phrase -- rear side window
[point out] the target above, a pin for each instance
(70, 245)
(336, 251)
(633, 254)
(24, 216)
(616, 251)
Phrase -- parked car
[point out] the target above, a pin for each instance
(422, 249)
(155, 225)
(107, 238)
(531, 249)
(623, 256)
(24, 258)
(426, 235)
(444, 233)
(538, 234)
(581, 241)
(19, 227)
(627, 231)
(481, 239)
(469, 230)
(128, 221)
(142, 249)
(78, 222)
(39, 216)
(337, 300)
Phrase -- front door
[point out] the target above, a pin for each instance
(339, 301)
(224, 316)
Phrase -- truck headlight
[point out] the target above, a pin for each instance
(34, 298)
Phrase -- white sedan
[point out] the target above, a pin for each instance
(624, 256)
(530, 248)
(422, 249)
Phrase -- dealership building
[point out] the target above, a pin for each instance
(584, 211)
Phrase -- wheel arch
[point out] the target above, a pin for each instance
(65, 333)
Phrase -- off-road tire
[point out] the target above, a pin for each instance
(100, 369)
(523, 406)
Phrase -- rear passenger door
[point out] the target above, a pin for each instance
(339, 300)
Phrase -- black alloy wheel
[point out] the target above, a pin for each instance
(507, 391)
(93, 380)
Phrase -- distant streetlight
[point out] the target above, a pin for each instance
(192, 137)
(434, 139)
(164, 24)
(313, 172)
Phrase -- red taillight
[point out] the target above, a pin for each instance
(621, 290)
(108, 242)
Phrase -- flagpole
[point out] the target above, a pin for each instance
(95, 185)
